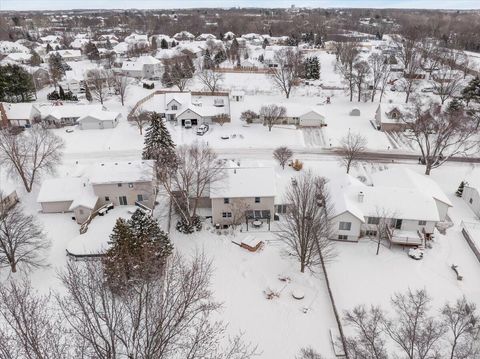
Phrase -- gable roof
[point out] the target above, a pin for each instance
(121, 172)
(245, 182)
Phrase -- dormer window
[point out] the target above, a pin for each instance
(174, 107)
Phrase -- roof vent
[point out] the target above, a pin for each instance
(235, 171)
(361, 195)
(102, 164)
(116, 163)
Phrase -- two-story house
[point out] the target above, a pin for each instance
(119, 183)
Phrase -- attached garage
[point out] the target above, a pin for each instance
(311, 119)
(100, 120)
(188, 114)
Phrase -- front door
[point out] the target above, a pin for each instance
(122, 200)
(398, 224)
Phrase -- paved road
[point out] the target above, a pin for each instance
(265, 153)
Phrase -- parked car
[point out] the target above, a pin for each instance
(202, 129)
(188, 124)
(69, 130)
(415, 253)
(427, 89)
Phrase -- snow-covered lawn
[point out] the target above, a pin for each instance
(279, 326)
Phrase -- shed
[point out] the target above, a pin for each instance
(355, 112)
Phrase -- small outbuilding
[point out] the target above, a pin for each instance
(355, 112)
(99, 120)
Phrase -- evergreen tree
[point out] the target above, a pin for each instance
(471, 93)
(312, 68)
(265, 43)
(57, 70)
(261, 58)
(61, 93)
(166, 78)
(16, 84)
(188, 67)
(459, 192)
(158, 144)
(108, 44)
(88, 94)
(455, 105)
(164, 44)
(91, 51)
(174, 43)
(154, 45)
(35, 60)
(48, 48)
(219, 57)
(207, 60)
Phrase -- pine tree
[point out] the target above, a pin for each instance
(188, 67)
(88, 94)
(312, 68)
(16, 84)
(108, 44)
(92, 51)
(207, 60)
(48, 48)
(265, 43)
(219, 57)
(158, 144)
(35, 60)
(55, 65)
(166, 78)
(61, 93)
(164, 44)
(459, 192)
(471, 93)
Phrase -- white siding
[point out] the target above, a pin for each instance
(354, 232)
(471, 196)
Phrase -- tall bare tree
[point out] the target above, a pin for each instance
(463, 329)
(272, 114)
(440, 134)
(306, 227)
(351, 148)
(121, 84)
(197, 168)
(21, 240)
(210, 79)
(413, 330)
(369, 338)
(410, 57)
(286, 75)
(31, 327)
(139, 118)
(361, 73)
(379, 69)
(97, 83)
(31, 153)
(282, 155)
(348, 55)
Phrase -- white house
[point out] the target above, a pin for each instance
(358, 209)
(406, 178)
(99, 120)
(67, 114)
(137, 39)
(18, 114)
(471, 195)
(143, 67)
(68, 55)
(183, 35)
(392, 116)
(19, 57)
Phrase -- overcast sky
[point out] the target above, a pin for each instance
(169, 4)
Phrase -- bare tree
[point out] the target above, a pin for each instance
(410, 57)
(197, 169)
(139, 118)
(361, 72)
(97, 82)
(379, 69)
(238, 207)
(440, 134)
(286, 75)
(369, 338)
(308, 353)
(121, 84)
(180, 74)
(447, 80)
(170, 315)
(306, 227)
(385, 79)
(348, 57)
(21, 240)
(30, 153)
(221, 119)
(351, 148)
(413, 330)
(30, 324)
(272, 114)
(463, 327)
(210, 79)
(282, 155)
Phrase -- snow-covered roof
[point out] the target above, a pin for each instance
(386, 108)
(183, 35)
(66, 54)
(101, 116)
(19, 56)
(140, 62)
(228, 34)
(245, 182)
(136, 38)
(406, 178)
(20, 111)
(69, 110)
(206, 37)
(7, 47)
(121, 172)
(397, 202)
(65, 189)
(121, 48)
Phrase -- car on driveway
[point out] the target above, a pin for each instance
(415, 253)
(202, 129)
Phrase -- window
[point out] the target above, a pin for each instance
(345, 226)
(342, 237)
(373, 220)
(119, 185)
(174, 108)
(257, 199)
(397, 223)
(139, 197)
(370, 233)
(281, 208)
(227, 214)
(471, 200)
(107, 198)
(422, 223)
(130, 185)
(122, 200)
(226, 200)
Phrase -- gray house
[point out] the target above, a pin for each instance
(119, 183)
